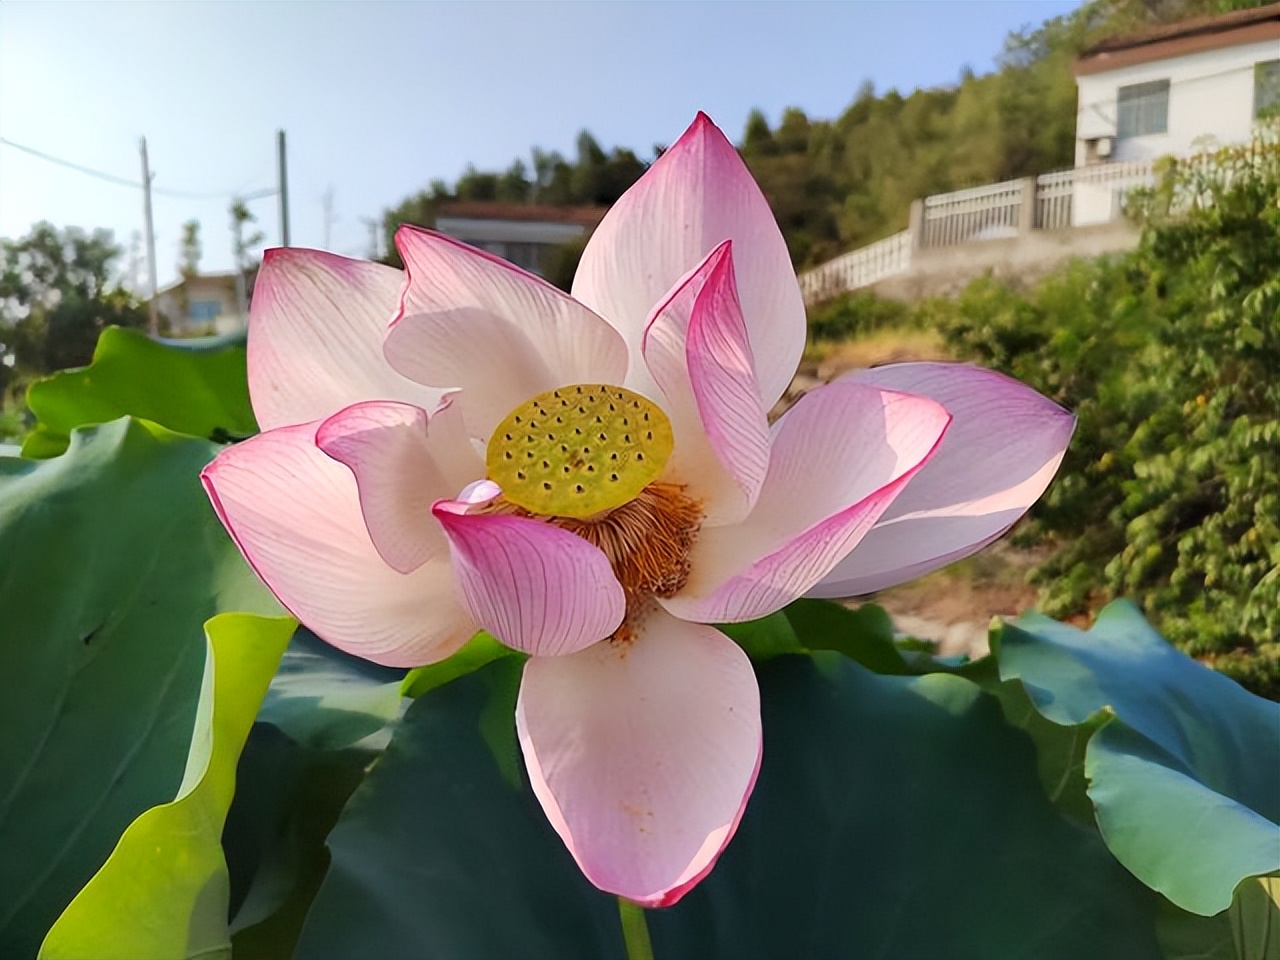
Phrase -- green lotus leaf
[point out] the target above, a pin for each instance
(197, 387)
(164, 891)
(1183, 780)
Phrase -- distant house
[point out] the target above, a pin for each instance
(203, 304)
(1178, 88)
(525, 234)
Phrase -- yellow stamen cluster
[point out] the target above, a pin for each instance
(647, 540)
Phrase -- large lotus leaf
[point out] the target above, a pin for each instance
(864, 635)
(437, 855)
(893, 817)
(288, 798)
(164, 891)
(111, 560)
(325, 718)
(1184, 780)
(324, 698)
(480, 650)
(1249, 930)
(196, 387)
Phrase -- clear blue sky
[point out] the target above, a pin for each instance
(378, 98)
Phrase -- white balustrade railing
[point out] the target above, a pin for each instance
(978, 213)
(1065, 198)
(1053, 199)
(1126, 174)
(857, 269)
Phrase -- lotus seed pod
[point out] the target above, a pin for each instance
(579, 450)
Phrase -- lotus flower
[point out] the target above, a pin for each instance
(593, 480)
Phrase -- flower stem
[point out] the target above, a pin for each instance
(635, 930)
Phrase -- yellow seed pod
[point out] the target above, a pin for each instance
(579, 450)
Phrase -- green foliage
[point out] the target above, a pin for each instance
(329, 700)
(165, 889)
(56, 296)
(196, 387)
(1157, 765)
(110, 562)
(857, 315)
(838, 184)
(1170, 491)
(563, 263)
(846, 807)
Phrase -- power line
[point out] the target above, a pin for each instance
(110, 178)
(135, 184)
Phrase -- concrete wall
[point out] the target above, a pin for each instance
(1210, 100)
(944, 271)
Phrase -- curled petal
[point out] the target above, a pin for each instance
(643, 753)
(535, 587)
(295, 515)
(316, 326)
(403, 462)
(698, 194)
(471, 320)
(1003, 448)
(839, 458)
(696, 350)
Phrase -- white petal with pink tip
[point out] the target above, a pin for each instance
(696, 350)
(471, 320)
(316, 326)
(1003, 448)
(838, 459)
(295, 514)
(643, 754)
(535, 587)
(403, 462)
(698, 194)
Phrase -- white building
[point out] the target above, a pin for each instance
(204, 304)
(526, 234)
(1174, 90)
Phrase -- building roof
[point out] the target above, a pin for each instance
(224, 276)
(1181, 38)
(587, 217)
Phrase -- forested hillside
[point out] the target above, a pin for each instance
(840, 183)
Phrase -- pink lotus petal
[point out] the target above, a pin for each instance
(295, 515)
(1001, 452)
(643, 754)
(468, 319)
(695, 348)
(840, 456)
(535, 587)
(695, 196)
(315, 337)
(402, 464)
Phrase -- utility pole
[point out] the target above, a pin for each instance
(327, 203)
(153, 315)
(284, 189)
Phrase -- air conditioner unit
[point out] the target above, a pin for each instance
(1102, 147)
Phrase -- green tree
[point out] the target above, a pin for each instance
(57, 292)
(242, 246)
(1170, 491)
(190, 250)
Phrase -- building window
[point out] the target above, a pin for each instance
(1266, 88)
(203, 310)
(1142, 108)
